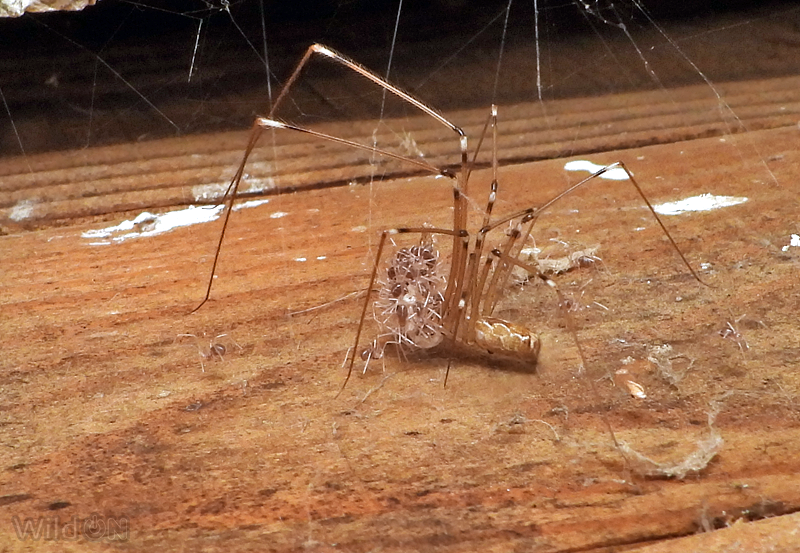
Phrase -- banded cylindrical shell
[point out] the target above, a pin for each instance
(508, 339)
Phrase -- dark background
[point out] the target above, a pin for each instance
(120, 71)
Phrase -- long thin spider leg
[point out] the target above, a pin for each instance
(233, 188)
(532, 213)
(275, 124)
(262, 123)
(497, 282)
(381, 243)
(660, 222)
(571, 326)
(292, 78)
(474, 257)
(341, 59)
(459, 259)
(230, 195)
(474, 289)
(487, 214)
(476, 303)
(269, 122)
(364, 72)
(491, 120)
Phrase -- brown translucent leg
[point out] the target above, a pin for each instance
(270, 122)
(563, 306)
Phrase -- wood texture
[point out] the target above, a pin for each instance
(106, 408)
(164, 173)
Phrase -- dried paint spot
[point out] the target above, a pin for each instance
(703, 202)
(148, 224)
(794, 242)
(617, 173)
(22, 210)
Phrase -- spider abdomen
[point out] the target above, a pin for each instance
(508, 339)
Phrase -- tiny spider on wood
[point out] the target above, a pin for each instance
(417, 305)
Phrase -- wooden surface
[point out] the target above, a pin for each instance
(106, 409)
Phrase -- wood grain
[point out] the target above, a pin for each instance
(106, 408)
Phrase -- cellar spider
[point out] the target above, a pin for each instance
(418, 306)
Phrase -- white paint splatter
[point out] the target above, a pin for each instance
(22, 210)
(703, 202)
(617, 173)
(251, 203)
(794, 242)
(148, 224)
(278, 215)
(300, 259)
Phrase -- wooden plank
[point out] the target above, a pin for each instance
(181, 171)
(106, 408)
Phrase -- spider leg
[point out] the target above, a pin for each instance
(269, 122)
(531, 214)
(563, 305)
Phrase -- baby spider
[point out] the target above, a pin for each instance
(732, 331)
(418, 306)
(215, 347)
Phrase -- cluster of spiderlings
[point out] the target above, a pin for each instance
(410, 299)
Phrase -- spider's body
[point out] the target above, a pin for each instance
(409, 306)
(417, 306)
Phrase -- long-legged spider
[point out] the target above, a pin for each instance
(417, 305)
